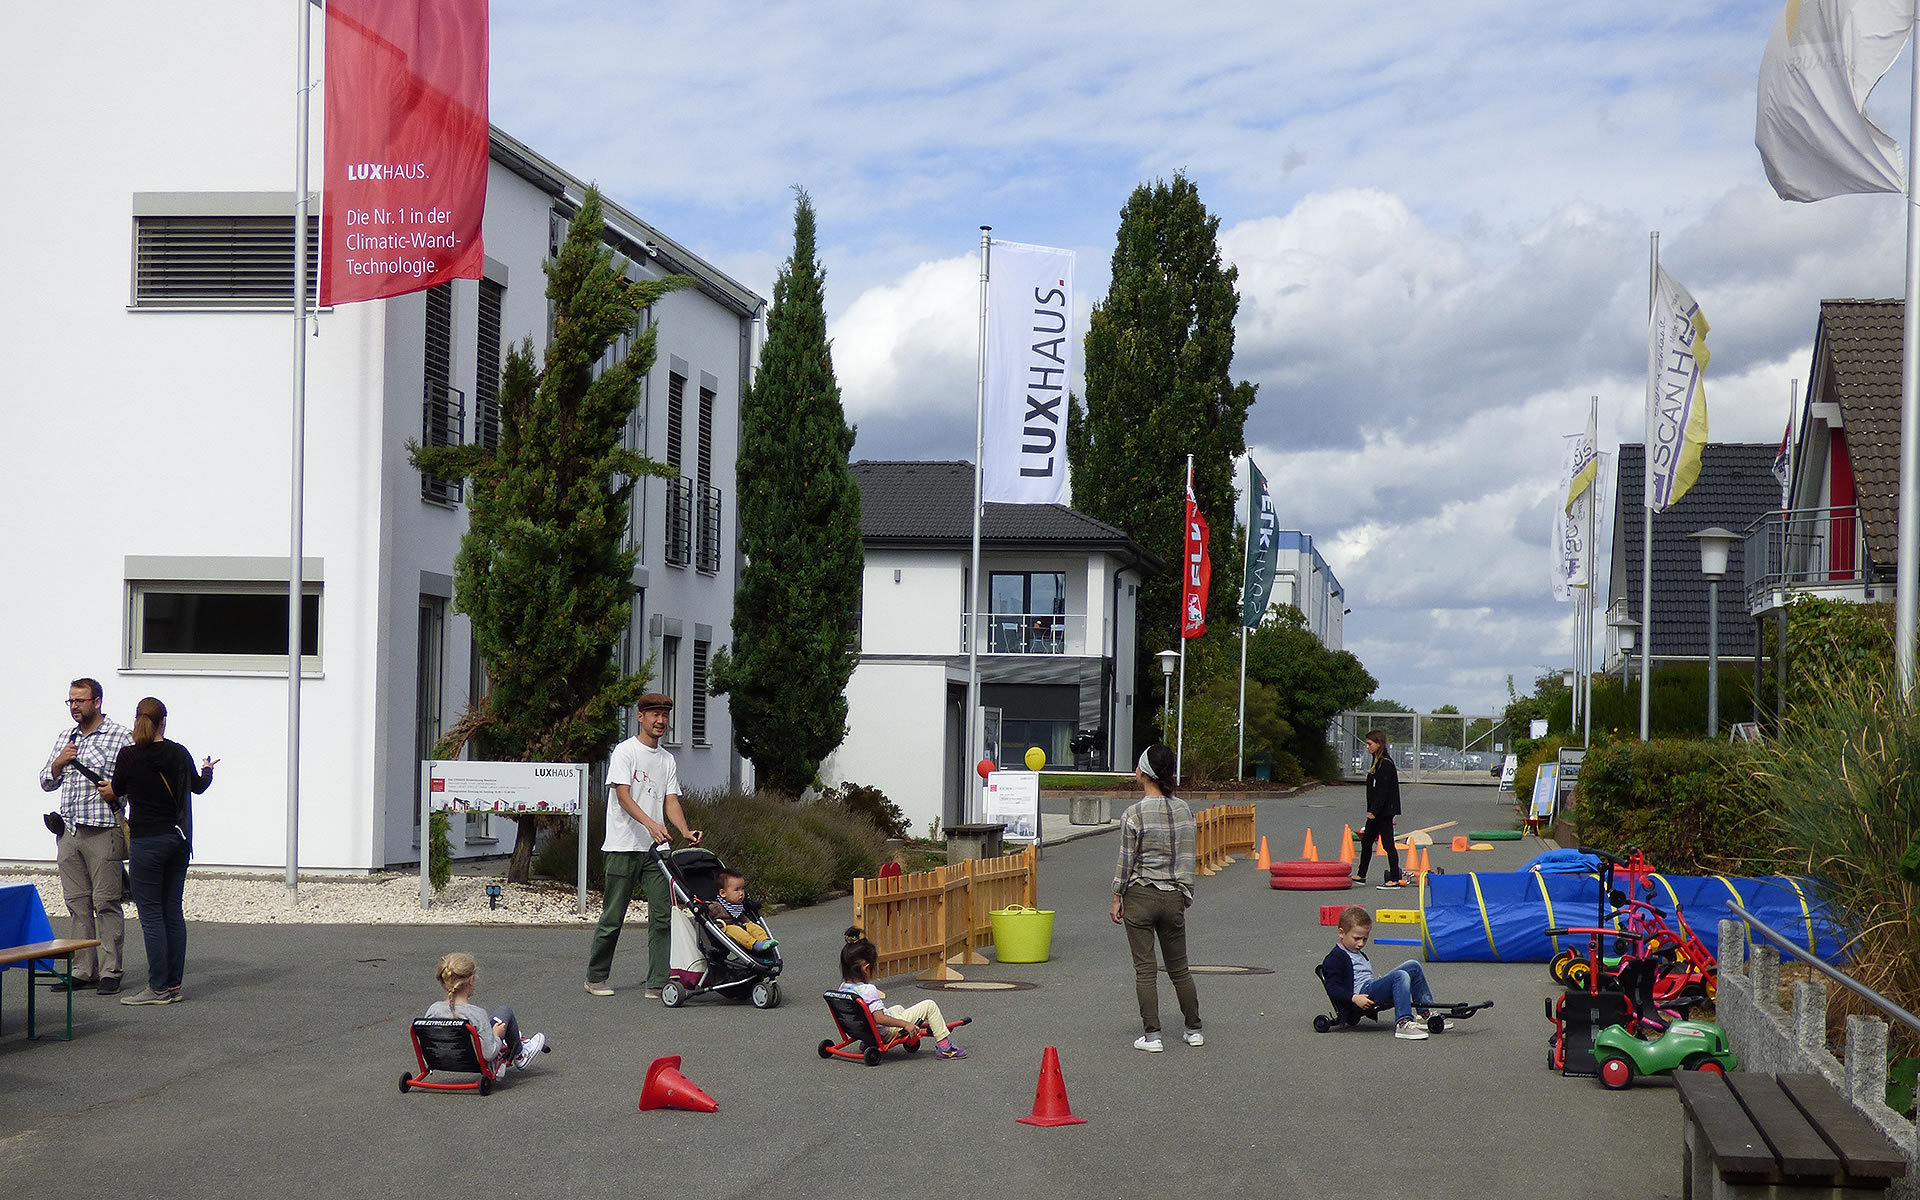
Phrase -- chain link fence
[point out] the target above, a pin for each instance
(1461, 748)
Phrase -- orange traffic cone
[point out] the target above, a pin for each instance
(1426, 864)
(666, 1087)
(1050, 1096)
(1459, 843)
(1264, 861)
(1346, 844)
(1309, 851)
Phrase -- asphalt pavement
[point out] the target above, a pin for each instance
(278, 1075)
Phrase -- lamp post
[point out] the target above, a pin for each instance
(1623, 630)
(1715, 545)
(1169, 659)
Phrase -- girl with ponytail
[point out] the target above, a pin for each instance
(158, 780)
(1152, 887)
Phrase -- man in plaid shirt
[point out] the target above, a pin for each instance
(93, 846)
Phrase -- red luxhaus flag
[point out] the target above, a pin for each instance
(1196, 572)
(406, 146)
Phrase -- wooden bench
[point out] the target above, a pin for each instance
(58, 948)
(1786, 1136)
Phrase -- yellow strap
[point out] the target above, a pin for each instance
(1737, 898)
(1671, 894)
(1473, 877)
(1426, 937)
(1806, 914)
(1540, 877)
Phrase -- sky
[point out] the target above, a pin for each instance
(1440, 215)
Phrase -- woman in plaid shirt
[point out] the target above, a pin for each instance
(1152, 886)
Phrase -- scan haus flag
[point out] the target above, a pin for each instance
(1810, 124)
(1196, 571)
(1029, 366)
(1676, 392)
(1263, 530)
(406, 146)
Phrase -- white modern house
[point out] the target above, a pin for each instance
(1302, 579)
(1055, 601)
(147, 294)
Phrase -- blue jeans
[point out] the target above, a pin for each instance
(159, 869)
(1405, 985)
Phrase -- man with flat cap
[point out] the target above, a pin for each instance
(643, 798)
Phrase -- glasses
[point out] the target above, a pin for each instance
(88, 700)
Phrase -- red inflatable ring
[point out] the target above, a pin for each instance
(1310, 883)
(1301, 866)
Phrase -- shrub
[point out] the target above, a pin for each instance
(791, 853)
(439, 850)
(870, 804)
(1286, 770)
(1690, 806)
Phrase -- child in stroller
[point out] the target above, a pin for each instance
(705, 957)
(739, 917)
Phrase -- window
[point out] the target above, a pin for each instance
(1027, 612)
(486, 367)
(429, 680)
(670, 683)
(676, 419)
(219, 626)
(708, 496)
(697, 724)
(679, 522)
(443, 417)
(220, 261)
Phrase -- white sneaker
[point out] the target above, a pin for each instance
(530, 1049)
(1410, 1031)
(1193, 1037)
(1150, 1042)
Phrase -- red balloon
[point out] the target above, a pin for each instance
(984, 766)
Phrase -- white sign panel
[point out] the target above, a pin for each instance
(1013, 799)
(1545, 791)
(1029, 368)
(1509, 768)
(505, 787)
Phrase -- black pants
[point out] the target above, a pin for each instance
(1382, 828)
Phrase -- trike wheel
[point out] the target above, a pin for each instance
(826, 1048)
(486, 1086)
(1436, 1023)
(1557, 969)
(1703, 1062)
(1322, 1025)
(872, 1056)
(1578, 974)
(911, 1045)
(406, 1081)
(1616, 1072)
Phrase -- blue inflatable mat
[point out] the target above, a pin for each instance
(1503, 917)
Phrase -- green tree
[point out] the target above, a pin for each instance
(1158, 352)
(543, 571)
(1311, 683)
(793, 623)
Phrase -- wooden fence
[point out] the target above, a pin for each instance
(923, 921)
(1220, 832)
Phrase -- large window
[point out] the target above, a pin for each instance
(199, 626)
(1027, 612)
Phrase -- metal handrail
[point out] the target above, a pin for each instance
(1859, 989)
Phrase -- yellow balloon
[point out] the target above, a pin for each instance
(1036, 758)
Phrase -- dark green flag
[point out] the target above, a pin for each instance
(1263, 531)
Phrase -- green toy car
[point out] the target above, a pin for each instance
(1685, 1046)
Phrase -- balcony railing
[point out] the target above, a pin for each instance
(443, 422)
(707, 554)
(1028, 633)
(1803, 548)
(679, 522)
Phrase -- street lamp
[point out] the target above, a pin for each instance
(1715, 545)
(1169, 659)
(1624, 629)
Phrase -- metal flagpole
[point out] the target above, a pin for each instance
(1646, 487)
(1246, 564)
(1906, 592)
(1593, 556)
(968, 803)
(1180, 628)
(296, 585)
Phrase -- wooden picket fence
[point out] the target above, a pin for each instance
(921, 922)
(1220, 832)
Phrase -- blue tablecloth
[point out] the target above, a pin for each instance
(23, 921)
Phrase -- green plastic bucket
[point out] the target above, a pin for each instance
(1022, 934)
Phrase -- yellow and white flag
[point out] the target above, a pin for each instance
(1585, 462)
(1810, 125)
(1676, 392)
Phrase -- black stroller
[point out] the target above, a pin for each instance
(704, 958)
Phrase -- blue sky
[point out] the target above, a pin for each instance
(1440, 218)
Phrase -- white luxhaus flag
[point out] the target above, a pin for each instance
(1030, 353)
(1810, 125)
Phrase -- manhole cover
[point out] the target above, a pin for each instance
(977, 985)
(1225, 969)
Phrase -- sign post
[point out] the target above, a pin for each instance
(1013, 798)
(505, 789)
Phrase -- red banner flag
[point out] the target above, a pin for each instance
(1196, 572)
(406, 146)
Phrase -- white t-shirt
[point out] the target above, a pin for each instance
(650, 776)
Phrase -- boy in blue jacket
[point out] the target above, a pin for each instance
(1355, 989)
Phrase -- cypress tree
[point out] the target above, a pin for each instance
(793, 650)
(1158, 351)
(543, 572)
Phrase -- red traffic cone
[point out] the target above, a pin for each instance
(666, 1087)
(1050, 1096)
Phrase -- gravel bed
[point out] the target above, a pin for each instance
(387, 899)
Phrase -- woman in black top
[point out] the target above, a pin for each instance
(1383, 805)
(158, 780)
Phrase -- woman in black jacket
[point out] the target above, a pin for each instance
(1383, 805)
(158, 781)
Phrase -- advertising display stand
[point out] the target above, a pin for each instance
(507, 789)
